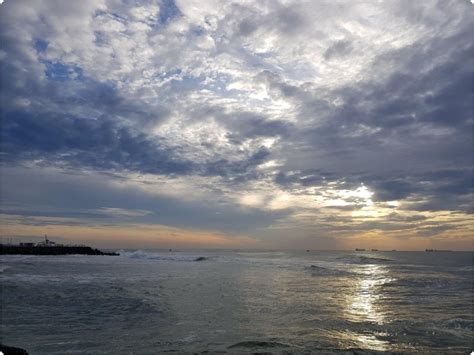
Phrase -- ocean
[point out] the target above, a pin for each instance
(214, 301)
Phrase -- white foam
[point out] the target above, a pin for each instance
(146, 255)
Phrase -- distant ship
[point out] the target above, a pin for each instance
(375, 250)
(357, 249)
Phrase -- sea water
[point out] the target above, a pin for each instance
(150, 302)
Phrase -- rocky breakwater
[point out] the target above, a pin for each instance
(10, 350)
(51, 250)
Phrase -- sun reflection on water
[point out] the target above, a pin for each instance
(365, 304)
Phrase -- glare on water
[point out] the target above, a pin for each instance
(364, 303)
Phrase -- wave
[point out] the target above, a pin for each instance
(459, 323)
(435, 282)
(3, 268)
(146, 255)
(450, 330)
(251, 344)
(322, 271)
(468, 268)
(361, 259)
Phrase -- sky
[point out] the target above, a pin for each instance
(238, 124)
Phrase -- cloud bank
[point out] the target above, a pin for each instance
(308, 124)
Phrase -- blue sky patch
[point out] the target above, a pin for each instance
(61, 72)
(40, 45)
(168, 11)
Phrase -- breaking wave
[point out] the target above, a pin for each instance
(458, 324)
(361, 259)
(252, 344)
(322, 271)
(146, 255)
(3, 268)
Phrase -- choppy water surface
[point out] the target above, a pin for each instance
(236, 302)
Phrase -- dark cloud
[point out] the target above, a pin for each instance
(385, 134)
(396, 217)
(285, 20)
(393, 190)
(308, 177)
(338, 49)
(97, 143)
(438, 190)
(246, 27)
(436, 229)
(249, 125)
(103, 144)
(238, 171)
(289, 20)
(33, 194)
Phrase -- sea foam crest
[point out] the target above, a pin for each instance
(361, 259)
(322, 271)
(459, 323)
(147, 255)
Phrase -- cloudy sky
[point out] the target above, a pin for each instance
(257, 123)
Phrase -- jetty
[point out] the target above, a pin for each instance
(48, 247)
